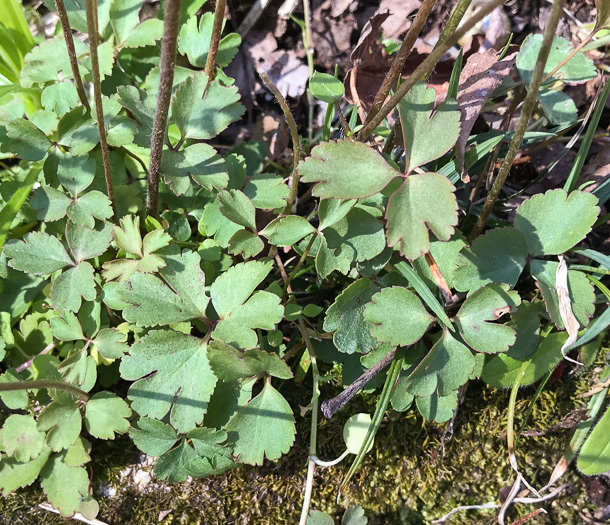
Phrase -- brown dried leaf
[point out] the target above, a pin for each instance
(481, 75)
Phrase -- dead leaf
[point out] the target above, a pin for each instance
(481, 75)
(332, 35)
(565, 307)
(399, 10)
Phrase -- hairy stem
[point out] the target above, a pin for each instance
(44, 383)
(313, 437)
(168, 63)
(422, 70)
(91, 9)
(296, 143)
(65, 26)
(219, 15)
(526, 113)
(401, 58)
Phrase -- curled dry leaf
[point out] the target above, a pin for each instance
(481, 75)
(565, 306)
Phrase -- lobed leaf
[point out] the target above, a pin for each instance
(106, 414)
(38, 253)
(230, 364)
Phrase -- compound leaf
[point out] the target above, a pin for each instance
(346, 170)
(286, 231)
(91, 206)
(427, 136)
(76, 173)
(264, 427)
(476, 316)
(554, 222)
(202, 110)
(21, 439)
(50, 203)
(423, 202)
(143, 107)
(179, 463)
(267, 191)
(173, 375)
(236, 207)
(63, 423)
(246, 244)
(73, 285)
(153, 437)
(499, 256)
(28, 141)
(38, 253)
(106, 414)
(345, 317)
(110, 343)
(86, 243)
(230, 364)
(358, 236)
(64, 486)
(15, 474)
(397, 316)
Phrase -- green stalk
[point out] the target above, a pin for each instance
(422, 70)
(307, 42)
(454, 20)
(219, 15)
(166, 80)
(299, 264)
(296, 143)
(91, 9)
(65, 25)
(44, 383)
(313, 437)
(526, 113)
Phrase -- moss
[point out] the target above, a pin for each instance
(410, 477)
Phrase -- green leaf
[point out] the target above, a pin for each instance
(215, 224)
(594, 456)
(346, 318)
(578, 69)
(78, 453)
(526, 323)
(73, 285)
(79, 369)
(76, 173)
(50, 203)
(354, 515)
(230, 364)
(326, 87)
(11, 208)
(264, 427)
(21, 439)
(59, 98)
(13, 399)
(143, 107)
(226, 399)
(558, 107)
(397, 316)
(327, 261)
(152, 302)
(236, 207)
(267, 191)
(582, 292)
(38, 253)
(110, 343)
(64, 486)
(499, 256)
(127, 236)
(317, 517)
(428, 132)
(354, 432)
(28, 142)
(195, 43)
(174, 368)
(358, 236)
(152, 436)
(207, 442)
(401, 399)
(436, 408)
(124, 17)
(179, 463)
(286, 231)
(501, 370)
(476, 317)
(555, 221)
(246, 244)
(91, 206)
(200, 162)
(106, 414)
(331, 211)
(200, 116)
(445, 368)
(346, 170)
(67, 327)
(63, 422)
(15, 474)
(145, 34)
(86, 243)
(423, 202)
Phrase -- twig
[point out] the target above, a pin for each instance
(166, 80)
(526, 113)
(91, 9)
(219, 14)
(44, 383)
(29, 362)
(422, 70)
(331, 406)
(401, 57)
(296, 143)
(65, 26)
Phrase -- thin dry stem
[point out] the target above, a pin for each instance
(219, 14)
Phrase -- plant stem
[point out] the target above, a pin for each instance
(166, 81)
(571, 55)
(219, 15)
(526, 113)
(454, 20)
(299, 264)
(307, 42)
(422, 70)
(313, 437)
(344, 124)
(401, 58)
(65, 25)
(29, 362)
(296, 143)
(91, 9)
(44, 383)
